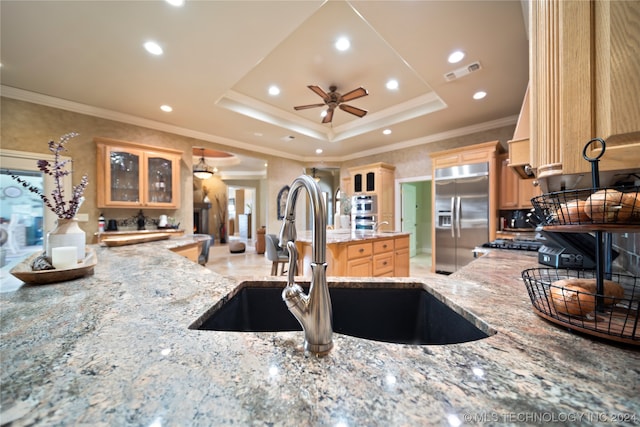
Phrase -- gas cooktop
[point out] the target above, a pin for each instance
(520, 245)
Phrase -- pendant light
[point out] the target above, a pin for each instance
(202, 170)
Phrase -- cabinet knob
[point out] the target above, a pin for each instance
(384, 246)
(361, 250)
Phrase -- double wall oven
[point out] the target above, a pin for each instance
(363, 210)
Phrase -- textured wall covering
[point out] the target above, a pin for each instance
(28, 127)
(416, 161)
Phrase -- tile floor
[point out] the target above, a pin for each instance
(250, 263)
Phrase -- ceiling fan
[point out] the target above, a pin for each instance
(334, 99)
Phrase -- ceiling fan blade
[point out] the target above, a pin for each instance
(353, 110)
(329, 116)
(354, 94)
(304, 107)
(318, 90)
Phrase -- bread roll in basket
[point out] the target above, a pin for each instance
(578, 296)
(612, 206)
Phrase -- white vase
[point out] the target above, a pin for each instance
(67, 233)
(345, 221)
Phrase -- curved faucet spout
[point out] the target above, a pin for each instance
(318, 212)
(313, 311)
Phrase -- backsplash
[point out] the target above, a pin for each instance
(628, 245)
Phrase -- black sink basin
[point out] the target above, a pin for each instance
(397, 315)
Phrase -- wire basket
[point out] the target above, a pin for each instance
(591, 206)
(566, 297)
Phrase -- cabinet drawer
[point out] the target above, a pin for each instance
(359, 250)
(380, 246)
(360, 267)
(383, 264)
(402, 242)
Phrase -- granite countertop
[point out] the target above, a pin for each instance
(115, 348)
(177, 242)
(345, 236)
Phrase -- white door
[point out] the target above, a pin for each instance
(408, 194)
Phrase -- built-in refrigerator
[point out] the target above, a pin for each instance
(462, 214)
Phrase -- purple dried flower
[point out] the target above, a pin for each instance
(57, 203)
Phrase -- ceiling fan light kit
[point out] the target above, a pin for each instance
(334, 99)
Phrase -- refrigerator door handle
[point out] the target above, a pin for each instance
(458, 215)
(453, 218)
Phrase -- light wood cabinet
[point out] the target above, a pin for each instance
(132, 175)
(376, 179)
(401, 259)
(584, 84)
(526, 192)
(515, 193)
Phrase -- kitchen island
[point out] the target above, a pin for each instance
(359, 253)
(115, 348)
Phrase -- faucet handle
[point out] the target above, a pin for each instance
(293, 262)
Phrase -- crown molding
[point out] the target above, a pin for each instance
(50, 101)
(76, 107)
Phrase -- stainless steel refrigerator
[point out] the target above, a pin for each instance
(462, 214)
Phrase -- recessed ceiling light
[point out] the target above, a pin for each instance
(153, 48)
(392, 84)
(318, 150)
(274, 90)
(343, 44)
(176, 3)
(456, 56)
(387, 131)
(479, 95)
(166, 108)
(257, 133)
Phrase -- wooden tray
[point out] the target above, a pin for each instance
(132, 240)
(23, 270)
(613, 325)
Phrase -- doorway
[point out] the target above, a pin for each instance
(414, 202)
(242, 201)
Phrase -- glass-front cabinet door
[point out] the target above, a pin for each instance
(134, 175)
(160, 180)
(124, 177)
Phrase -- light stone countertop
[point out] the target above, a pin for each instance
(115, 349)
(345, 236)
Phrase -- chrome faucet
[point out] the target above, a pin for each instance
(377, 225)
(313, 310)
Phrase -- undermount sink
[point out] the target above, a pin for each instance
(407, 315)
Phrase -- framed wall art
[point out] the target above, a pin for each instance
(283, 194)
